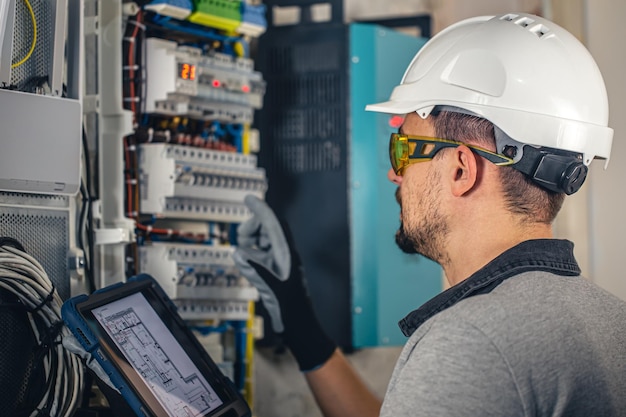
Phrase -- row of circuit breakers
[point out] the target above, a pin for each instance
(183, 181)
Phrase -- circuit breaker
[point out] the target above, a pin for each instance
(202, 280)
(196, 183)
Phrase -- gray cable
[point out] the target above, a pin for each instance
(23, 276)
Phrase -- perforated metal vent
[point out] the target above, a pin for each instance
(39, 63)
(298, 158)
(304, 131)
(307, 108)
(44, 232)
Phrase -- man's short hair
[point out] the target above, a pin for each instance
(522, 196)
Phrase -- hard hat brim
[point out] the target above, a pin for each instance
(393, 107)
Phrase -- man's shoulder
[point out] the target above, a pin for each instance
(536, 334)
(537, 311)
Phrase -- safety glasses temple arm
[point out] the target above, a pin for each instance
(439, 144)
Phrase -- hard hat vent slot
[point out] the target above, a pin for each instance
(527, 23)
(509, 17)
(540, 30)
(524, 22)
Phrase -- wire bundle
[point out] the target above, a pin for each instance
(23, 276)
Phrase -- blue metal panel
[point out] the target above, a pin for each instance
(386, 283)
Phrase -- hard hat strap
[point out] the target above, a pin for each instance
(560, 172)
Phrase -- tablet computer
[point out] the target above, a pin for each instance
(134, 331)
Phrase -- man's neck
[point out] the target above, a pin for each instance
(473, 249)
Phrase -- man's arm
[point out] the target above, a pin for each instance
(340, 391)
(266, 256)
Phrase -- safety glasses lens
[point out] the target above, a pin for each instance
(405, 150)
(398, 152)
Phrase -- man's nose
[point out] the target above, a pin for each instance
(393, 177)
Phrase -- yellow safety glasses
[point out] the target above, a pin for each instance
(405, 150)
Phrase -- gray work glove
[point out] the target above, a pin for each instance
(267, 258)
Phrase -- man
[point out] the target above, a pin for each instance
(503, 115)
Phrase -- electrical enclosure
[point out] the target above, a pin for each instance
(326, 161)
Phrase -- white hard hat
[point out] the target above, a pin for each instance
(528, 76)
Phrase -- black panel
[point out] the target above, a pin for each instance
(303, 127)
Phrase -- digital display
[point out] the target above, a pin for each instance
(187, 71)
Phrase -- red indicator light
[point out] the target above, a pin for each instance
(396, 121)
(245, 88)
(216, 83)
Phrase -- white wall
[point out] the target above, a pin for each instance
(604, 36)
(444, 12)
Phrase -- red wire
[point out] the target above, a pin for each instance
(129, 185)
(131, 70)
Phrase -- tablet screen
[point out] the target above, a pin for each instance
(139, 336)
(157, 357)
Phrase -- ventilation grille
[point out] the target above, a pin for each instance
(527, 23)
(307, 89)
(298, 158)
(305, 59)
(44, 235)
(308, 123)
(306, 103)
(23, 199)
(39, 63)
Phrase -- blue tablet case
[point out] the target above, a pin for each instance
(157, 357)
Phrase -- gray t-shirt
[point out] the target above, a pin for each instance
(539, 344)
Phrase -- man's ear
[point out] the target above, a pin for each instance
(463, 169)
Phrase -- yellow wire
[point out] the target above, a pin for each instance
(245, 145)
(32, 46)
(249, 370)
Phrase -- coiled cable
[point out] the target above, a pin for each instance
(23, 276)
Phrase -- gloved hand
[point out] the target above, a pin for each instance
(267, 258)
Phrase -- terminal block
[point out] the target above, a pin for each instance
(179, 9)
(232, 16)
(202, 280)
(219, 14)
(253, 22)
(194, 183)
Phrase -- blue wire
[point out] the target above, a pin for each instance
(241, 342)
(206, 330)
(166, 22)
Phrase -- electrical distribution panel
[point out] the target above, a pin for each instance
(186, 160)
(165, 93)
(192, 161)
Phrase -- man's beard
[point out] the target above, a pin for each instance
(427, 238)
